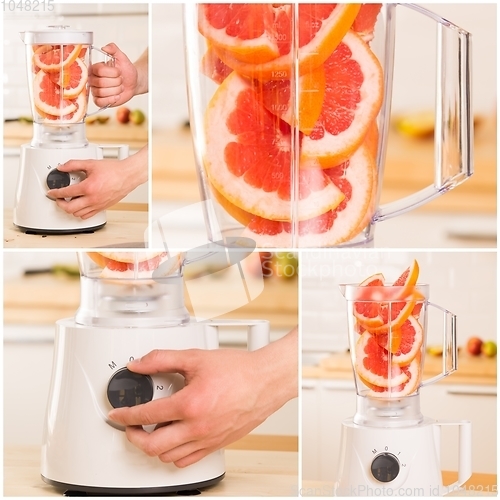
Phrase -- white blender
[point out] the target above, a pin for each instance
(131, 303)
(58, 61)
(389, 447)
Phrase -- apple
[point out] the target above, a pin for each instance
(123, 115)
(474, 345)
(489, 348)
(137, 117)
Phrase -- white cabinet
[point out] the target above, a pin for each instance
(326, 403)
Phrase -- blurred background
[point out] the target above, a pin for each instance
(462, 282)
(124, 24)
(43, 287)
(466, 217)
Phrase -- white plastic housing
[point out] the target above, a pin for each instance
(33, 210)
(417, 448)
(80, 447)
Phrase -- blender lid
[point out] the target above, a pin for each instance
(57, 35)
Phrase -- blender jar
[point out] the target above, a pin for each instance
(290, 109)
(131, 289)
(387, 328)
(58, 61)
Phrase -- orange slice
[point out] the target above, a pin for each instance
(353, 100)
(248, 157)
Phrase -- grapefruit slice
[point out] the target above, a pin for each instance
(52, 58)
(404, 343)
(48, 97)
(407, 388)
(74, 117)
(74, 79)
(248, 157)
(365, 309)
(333, 226)
(354, 92)
(364, 24)
(276, 94)
(373, 363)
(213, 67)
(243, 30)
(277, 98)
(321, 27)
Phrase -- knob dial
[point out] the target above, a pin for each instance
(385, 467)
(57, 179)
(127, 388)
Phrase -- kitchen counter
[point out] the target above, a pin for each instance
(471, 369)
(463, 218)
(124, 229)
(135, 136)
(277, 303)
(248, 473)
(409, 167)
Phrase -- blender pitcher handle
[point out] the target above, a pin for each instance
(453, 132)
(110, 61)
(464, 453)
(449, 345)
(257, 333)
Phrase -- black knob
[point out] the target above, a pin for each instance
(57, 179)
(127, 388)
(385, 467)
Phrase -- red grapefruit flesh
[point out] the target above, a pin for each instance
(48, 97)
(354, 92)
(365, 21)
(321, 27)
(409, 339)
(53, 58)
(248, 157)
(413, 371)
(373, 363)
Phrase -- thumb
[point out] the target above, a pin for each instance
(165, 361)
(76, 165)
(113, 50)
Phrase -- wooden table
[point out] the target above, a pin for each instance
(471, 369)
(248, 473)
(124, 229)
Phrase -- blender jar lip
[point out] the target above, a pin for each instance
(351, 291)
(56, 35)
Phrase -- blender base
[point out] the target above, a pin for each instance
(80, 490)
(88, 230)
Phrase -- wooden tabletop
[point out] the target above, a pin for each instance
(471, 369)
(124, 229)
(135, 136)
(248, 473)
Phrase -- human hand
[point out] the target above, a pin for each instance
(227, 393)
(115, 85)
(107, 182)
